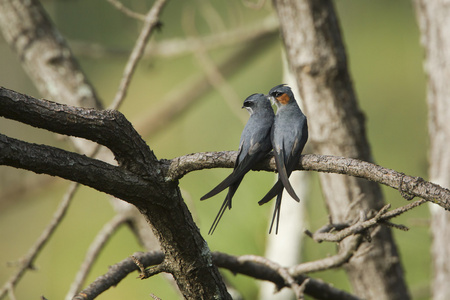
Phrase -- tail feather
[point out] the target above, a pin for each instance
(275, 190)
(276, 214)
(226, 204)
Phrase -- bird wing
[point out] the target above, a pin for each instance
(280, 162)
(255, 152)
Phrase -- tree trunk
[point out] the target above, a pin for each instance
(434, 23)
(317, 57)
(51, 66)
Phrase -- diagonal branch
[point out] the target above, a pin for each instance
(28, 260)
(118, 272)
(380, 218)
(151, 22)
(335, 261)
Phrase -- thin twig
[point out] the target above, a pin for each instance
(362, 225)
(126, 11)
(28, 260)
(175, 47)
(151, 22)
(185, 95)
(94, 250)
(327, 263)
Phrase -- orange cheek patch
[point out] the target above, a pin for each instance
(283, 99)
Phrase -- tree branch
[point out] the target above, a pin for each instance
(415, 186)
(102, 127)
(335, 261)
(118, 272)
(315, 288)
(363, 224)
(71, 166)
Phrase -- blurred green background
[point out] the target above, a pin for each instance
(385, 59)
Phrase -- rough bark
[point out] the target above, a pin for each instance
(316, 55)
(434, 24)
(139, 179)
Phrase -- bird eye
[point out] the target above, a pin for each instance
(247, 103)
(277, 94)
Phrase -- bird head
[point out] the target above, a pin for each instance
(255, 102)
(281, 94)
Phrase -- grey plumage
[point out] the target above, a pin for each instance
(254, 145)
(288, 136)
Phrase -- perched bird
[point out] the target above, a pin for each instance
(253, 146)
(288, 136)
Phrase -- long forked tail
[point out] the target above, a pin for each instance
(219, 215)
(226, 203)
(276, 213)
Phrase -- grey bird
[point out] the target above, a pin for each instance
(253, 146)
(288, 136)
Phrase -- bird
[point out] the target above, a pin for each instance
(253, 146)
(288, 136)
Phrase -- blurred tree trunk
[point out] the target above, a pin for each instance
(316, 55)
(285, 248)
(434, 22)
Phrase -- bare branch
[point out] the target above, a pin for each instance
(180, 166)
(381, 217)
(99, 126)
(191, 90)
(256, 269)
(315, 288)
(151, 21)
(283, 272)
(72, 166)
(182, 46)
(335, 261)
(128, 12)
(27, 261)
(118, 272)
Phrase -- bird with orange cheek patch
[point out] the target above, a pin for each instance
(288, 136)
